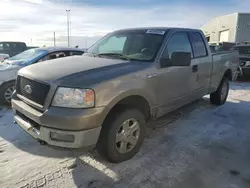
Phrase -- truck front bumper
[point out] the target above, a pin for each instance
(68, 129)
(60, 138)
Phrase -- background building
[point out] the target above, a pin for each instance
(229, 28)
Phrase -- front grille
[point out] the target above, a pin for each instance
(38, 92)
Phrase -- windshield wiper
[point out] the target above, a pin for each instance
(7, 63)
(121, 56)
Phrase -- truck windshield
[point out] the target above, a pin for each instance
(138, 45)
(28, 54)
(243, 50)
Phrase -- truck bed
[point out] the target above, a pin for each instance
(222, 59)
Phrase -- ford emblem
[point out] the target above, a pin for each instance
(28, 89)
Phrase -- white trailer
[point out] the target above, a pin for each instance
(229, 28)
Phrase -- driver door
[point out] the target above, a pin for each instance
(175, 82)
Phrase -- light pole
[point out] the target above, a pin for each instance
(68, 11)
(54, 38)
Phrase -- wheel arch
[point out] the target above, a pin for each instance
(3, 87)
(130, 100)
(228, 74)
(7, 82)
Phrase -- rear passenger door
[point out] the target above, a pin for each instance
(201, 65)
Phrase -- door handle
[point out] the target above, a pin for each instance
(195, 68)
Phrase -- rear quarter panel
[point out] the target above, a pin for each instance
(223, 61)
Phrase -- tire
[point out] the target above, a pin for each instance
(5, 90)
(113, 130)
(219, 97)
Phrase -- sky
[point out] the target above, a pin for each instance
(35, 21)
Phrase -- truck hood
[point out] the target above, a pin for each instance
(81, 70)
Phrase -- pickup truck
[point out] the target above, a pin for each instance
(106, 97)
(12, 48)
(244, 58)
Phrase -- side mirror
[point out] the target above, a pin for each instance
(177, 59)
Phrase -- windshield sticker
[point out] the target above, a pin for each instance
(157, 32)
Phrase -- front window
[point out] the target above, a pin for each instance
(28, 54)
(243, 50)
(179, 42)
(139, 45)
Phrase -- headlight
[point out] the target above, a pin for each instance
(74, 98)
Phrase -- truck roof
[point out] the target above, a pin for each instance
(11, 42)
(157, 28)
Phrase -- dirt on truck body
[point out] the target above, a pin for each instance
(126, 79)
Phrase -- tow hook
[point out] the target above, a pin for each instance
(42, 142)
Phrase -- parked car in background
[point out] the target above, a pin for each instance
(3, 57)
(127, 78)
(12, 48)
(222, 46)
(10, 67)
(244, 56)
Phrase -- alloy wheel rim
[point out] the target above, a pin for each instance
(127, 136)
(8, 93)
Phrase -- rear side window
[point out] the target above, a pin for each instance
(21, 46)
(199, 46)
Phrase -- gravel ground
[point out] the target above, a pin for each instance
(198, 146)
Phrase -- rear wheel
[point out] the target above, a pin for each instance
(6, 92)
(219, 97)
(122, 135)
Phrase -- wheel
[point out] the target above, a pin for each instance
(6, 92)
(219, 97)
(122, 135)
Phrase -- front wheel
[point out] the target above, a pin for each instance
(219, 97)
(6, 92)
(122, 135)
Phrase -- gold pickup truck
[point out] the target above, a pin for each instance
(105, 97)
